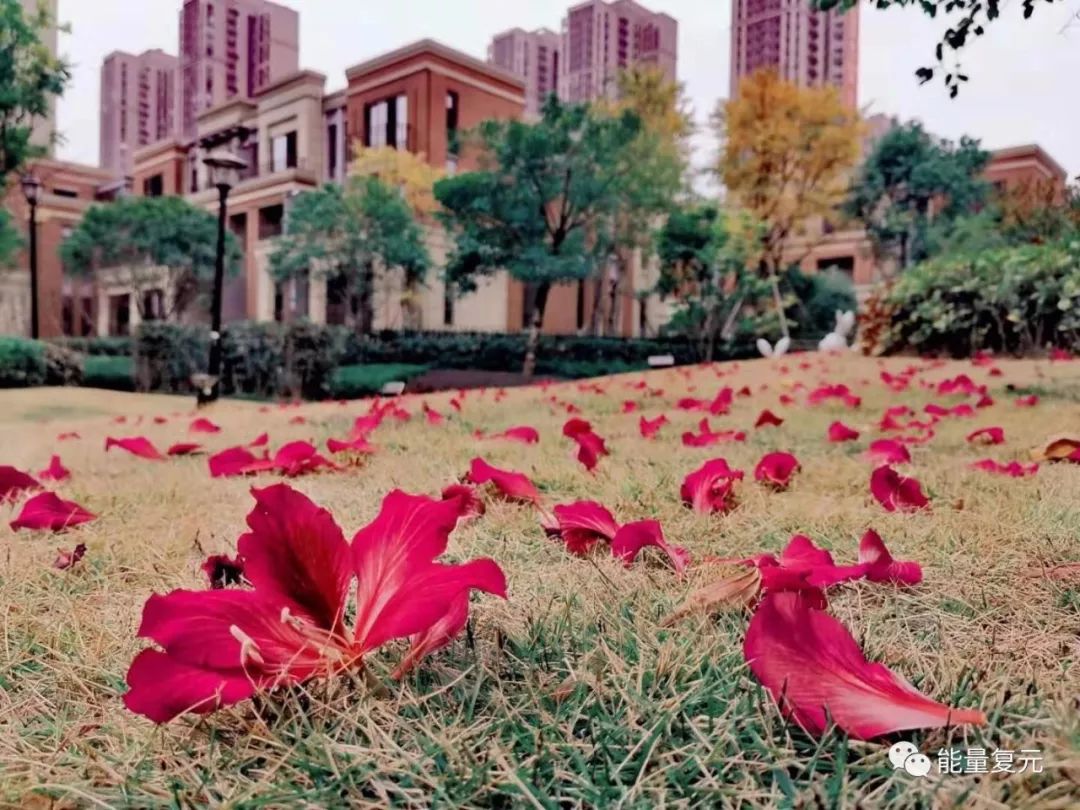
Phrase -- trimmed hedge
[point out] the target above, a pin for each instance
(353, 382)
(1016, 300)
(114, 373)
(97, 346)
(22, 362)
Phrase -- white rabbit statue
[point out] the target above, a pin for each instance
(837, 339)
(768, 350)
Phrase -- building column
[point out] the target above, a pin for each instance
(317, 298)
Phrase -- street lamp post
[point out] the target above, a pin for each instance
(224, 168)
(32, 190)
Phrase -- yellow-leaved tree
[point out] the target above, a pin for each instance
(411, 173)
(786, 159)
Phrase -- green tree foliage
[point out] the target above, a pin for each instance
(910, 179)
(30, 78)
(703, 264)
(965, 20)
(351, 233)
(535, 207)
(150, 243)
(10, 238)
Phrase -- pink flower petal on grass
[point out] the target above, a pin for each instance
(511, 485)
(815, 671)
(582, 524)
(300, 458)
(881, 567)
(203, 425)
(650, 427)
(631, 538)
(56, 471)
(360, 444)
(1014, 469)
(184, 449)
(768, 418)
(775, 470)
(66, 559)
(136, 445)
(710, 488)
(14, 482)
(1029, 401)
(47, 511)
(237, 461)
(987, 435)
(472, 505)
(839, 432)
(522, 433)
(887, 451)
(895, 492)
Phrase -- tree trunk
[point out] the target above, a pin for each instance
(535, 323)
(595, 318)
(366, 315)
(613, 296)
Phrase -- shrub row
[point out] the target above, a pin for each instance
(25, 362)
(1015, 300)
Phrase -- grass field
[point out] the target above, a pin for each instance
(570, 693)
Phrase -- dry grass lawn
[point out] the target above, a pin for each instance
(569, 693)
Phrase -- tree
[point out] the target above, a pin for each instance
(537, 202)
(349, 234)
(786, 157)
(1038, 211)
(657, 161)
(703, 265)
(969, 20)
(911, 179)
(150, 243)
(30, 78)
(397, 168)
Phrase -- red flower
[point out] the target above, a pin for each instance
(300, 458)
(817, 674)
(1014, 469)
(583, 524)
(897, 493)
(710, 488)
(767, 417)
(575, 427)
(840, 391)
(184, 449)
(237, 461)
(54, 472)
(881, 567)
(691, 404)
(590, 448)
(629, 406)
(222, 570)
(432, 415)
(887, 451)
(706, 437)
(633, 537)
(960, 384)
(136, 445)
(649, 428)
(775, 470)
(203, 425)
(471, 504)
(987, 435)
(1028, 401)
(260, 441)
(359, 444)
(722, 403)
(523, 434)
(511, 485)
(47, 511)
(66, 559)
(13, 483)
(839, 432)
(219, 647)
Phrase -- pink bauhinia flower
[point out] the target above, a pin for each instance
(584, 524)
(775, 470)
(222, 570)
(706, 437)
(768, 418)
(839, 432)
(987, 435)
(136, 445)
(815, 671)
(710, 488)
(895, 492)
(1014, 469)
(46, 510)
(881, 567)
(650, 427)
(433, 416)
(472, 505)
(219, 647)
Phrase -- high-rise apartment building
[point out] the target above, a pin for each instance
(140, 105)
(45, 128)
(233, 49)
(600, 39)
(532, 55)
(807, 47)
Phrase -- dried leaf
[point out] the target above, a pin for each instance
(738, 590)
(1056, 448)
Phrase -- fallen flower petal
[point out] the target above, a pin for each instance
(511, 485)
(649, 428)
(631, 538)
(816, 673)
(582, 524)
(47, 511)
(767, 417)
(360, 444)
(839, 432)
(1056, 448)
(14, 482)
(895, 492)
(775, 470)
(987, 435)
(237, 461)
(203, 425)
(1028, 402)
(710, 488)
(887, 451)
(1014, 469)
(575, 426)
(54, 472)
(222, 570)
(523, 434)
(184, 449)
(66, 559)
(471, 504)
(299, 458)
(881, 567)
(136, 445)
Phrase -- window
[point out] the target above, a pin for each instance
(238, 226)
(271, 220)
(844, 264)
(448, 305)
(65, 192)
(580, 314)
(153, 186)
(386, 122)
(331, 151)
(453, 107)
(120, 315)
(67, 316)
(283, 154)
(153, 305)
(86, 316)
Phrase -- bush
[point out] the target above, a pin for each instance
(821, 295)
(253, 356)
(311, 355)
(167, 354)
(63, 366)
(114, 373)
(22, 362)
(352, 382)
(1015, 300)
(109, 346)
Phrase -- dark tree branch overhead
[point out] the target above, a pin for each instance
(965, 20)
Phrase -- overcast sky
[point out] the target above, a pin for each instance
(1025, 76)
